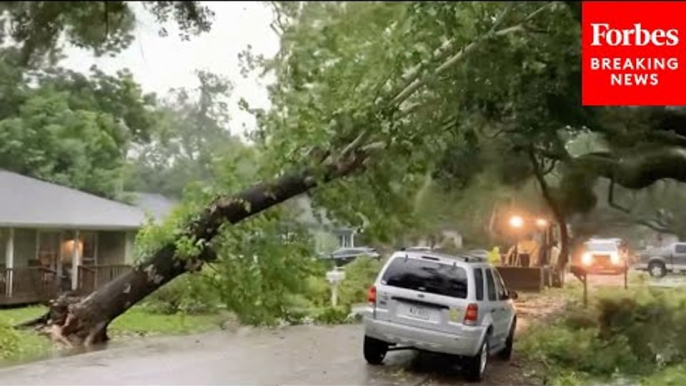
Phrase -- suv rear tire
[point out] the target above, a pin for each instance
(506, 353)
(657, 269)
(475, 367)
(374, 350)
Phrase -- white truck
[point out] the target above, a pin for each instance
(662, 260)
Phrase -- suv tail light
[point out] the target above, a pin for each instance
(472, 314)
(371, 295)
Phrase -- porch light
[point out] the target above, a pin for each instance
(68, 248)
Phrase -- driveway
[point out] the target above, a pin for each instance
(297, 355)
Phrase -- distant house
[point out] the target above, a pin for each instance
(54, 238)
(447, 238)
(154, 205)
(328, 235)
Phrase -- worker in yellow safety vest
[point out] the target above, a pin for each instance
(494, 256)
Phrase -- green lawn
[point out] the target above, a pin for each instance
(30, 344)
(17, 315)
(135, 322)
(138, 321)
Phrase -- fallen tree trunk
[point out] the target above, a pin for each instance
(85, 320)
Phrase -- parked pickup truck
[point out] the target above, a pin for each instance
(659, 261)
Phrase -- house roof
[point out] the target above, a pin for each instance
(154, 204)
(312, 217)
(29, 202)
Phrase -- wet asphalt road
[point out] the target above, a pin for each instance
(298, 355)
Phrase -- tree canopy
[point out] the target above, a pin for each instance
(454, 89)
(41, 28)
(69, 128)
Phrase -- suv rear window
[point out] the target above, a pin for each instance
(427, 276)
(479, 279)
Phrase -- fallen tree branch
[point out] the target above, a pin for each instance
(414, 73)
(416, 83)
(84, 321)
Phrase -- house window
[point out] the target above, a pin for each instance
(48, 249)
(87, 247)
(344, 241)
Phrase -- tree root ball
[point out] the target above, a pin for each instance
(70, 322)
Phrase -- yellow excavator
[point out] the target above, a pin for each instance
(528, 263)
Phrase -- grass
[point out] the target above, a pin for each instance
(135, 321)
(17, 315)
(29, 345)
(669, 376)
(141, 322)
(32, 346)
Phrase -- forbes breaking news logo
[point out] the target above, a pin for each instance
(623, 71)
(632, 53)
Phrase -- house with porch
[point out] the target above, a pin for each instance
(55, 239)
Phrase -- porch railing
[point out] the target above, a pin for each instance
(93, 276)
(27, 284)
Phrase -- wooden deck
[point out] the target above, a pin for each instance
(27, 285)
(31, 285)
(93, 276)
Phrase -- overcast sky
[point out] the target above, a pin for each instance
(160, 63)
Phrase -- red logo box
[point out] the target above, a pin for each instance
(633, 53)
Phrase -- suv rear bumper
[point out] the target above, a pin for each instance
(466, 343)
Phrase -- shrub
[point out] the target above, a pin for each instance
(190, 293)
(333, 315)
(653, 323)
(359, 276)
(9, 341)
(578, 350)
(633, 333)
(318, 290)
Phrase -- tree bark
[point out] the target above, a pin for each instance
(638, 169)
(85, 321)
(558, 214)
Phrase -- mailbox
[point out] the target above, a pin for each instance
(335, 277)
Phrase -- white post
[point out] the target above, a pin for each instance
(334, 295)
(9, 257)
(128, 247)
(334, 278)
(75, 262)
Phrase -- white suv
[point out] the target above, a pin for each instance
(455, 305)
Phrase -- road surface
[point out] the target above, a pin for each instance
(298, 355)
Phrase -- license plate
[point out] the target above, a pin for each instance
(420, 312)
